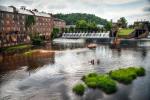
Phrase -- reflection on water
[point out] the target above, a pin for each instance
(51, 76)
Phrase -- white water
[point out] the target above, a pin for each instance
(61, 40)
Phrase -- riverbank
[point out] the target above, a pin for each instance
(16, 48)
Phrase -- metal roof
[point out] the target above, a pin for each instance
(41, 14)
(7, 9)
(26, 12)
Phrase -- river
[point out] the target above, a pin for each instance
(52, 76)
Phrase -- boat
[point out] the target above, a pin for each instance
(92, 46)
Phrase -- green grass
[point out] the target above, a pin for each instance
(79, 89)
(127, 75)
(17, 47)
(125, 32)
(28, 53)
(103, 82)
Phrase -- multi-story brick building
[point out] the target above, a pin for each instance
(58, 23)
(13, 29)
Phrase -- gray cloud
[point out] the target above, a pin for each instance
(147, 9)
(108, 9)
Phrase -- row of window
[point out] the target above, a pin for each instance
(21, 17)
(22, 23)
(10, 29)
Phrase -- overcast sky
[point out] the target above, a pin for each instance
(108, 9)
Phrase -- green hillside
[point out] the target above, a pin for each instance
(72, 18)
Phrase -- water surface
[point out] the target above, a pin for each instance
(52, 76)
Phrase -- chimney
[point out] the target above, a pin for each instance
(23, 7)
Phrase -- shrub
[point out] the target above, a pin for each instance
(79, 89)
(106, 84)
(126, 75)
(91, 82)
(140, 71)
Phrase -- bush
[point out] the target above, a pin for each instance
(106, 84)
(79, 89)
(127, 75)
(91, 82)
(140, 71)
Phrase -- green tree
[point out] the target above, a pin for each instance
(108, 26)
(81, 24)
(55, 33)
(36, 39)
(71, 19)
(92, 26)
(123, 22)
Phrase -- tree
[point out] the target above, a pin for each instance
(36, 39)
(81, 24)
(108, 26)
(55, 33)
(123, 22)
(92, 26)
(71, 19)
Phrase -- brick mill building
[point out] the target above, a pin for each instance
(13, 28)
(58, 23)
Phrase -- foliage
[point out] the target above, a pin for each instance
(83, 25)
(123, 22)
(127, 75)
(30, 20)
(17, 47)
(79, 89)
(55, 33)
(125, 31)
(28, 53)
(104, 82)
(108, 26)
(71, 19)
(36, 39)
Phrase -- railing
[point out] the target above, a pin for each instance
(85, 35)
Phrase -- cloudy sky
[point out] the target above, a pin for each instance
(108, 9)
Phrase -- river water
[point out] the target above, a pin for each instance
(51, 76)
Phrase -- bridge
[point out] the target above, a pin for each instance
(86, 35)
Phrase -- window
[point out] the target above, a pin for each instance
(12, 16)
(7, 22)
(23, 17)
(3, 28)
(2, 21)
(36, 18)
(7, 15)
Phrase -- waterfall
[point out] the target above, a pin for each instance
(85, 35)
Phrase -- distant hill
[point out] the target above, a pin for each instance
(72, 18)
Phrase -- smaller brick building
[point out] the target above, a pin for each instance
(58, 23)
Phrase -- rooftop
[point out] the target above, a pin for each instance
(23, 11)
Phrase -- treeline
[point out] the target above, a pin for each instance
(71, 19)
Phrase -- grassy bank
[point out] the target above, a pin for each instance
(16, 48)
(125, 32)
